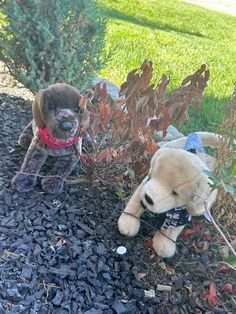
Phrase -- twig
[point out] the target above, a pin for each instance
(67, 182)
(220, 231)
(76, 181)
(38, 175)
(216, 226)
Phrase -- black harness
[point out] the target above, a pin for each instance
(175, 217)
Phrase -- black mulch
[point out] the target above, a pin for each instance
(58, 253)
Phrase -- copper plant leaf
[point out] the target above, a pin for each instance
(86, 97)
(177, 102)
(151, 147)
(95, 125)
(103, 154)
(161, 87)
(105, 114)
(141, 103)
(107, 154)
(137, 81)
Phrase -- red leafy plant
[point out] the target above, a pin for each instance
(125, 128)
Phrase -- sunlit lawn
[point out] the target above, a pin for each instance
(178, 37)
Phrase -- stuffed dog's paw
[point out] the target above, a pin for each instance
(163, 246)
(23, 183)
(52, 184)
(128, 225)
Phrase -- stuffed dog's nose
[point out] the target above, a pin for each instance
(66, 125)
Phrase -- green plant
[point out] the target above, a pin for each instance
(225, 179)
(46, 41)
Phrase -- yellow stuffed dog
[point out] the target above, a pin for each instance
(176, 184)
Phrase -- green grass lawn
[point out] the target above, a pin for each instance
(178, 37)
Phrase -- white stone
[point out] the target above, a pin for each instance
(150, 293)
(121, 250)
(172, 134)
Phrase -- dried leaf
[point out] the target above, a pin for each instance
(186, 233)
(227, 288)
(211, 296)
(196, 249)
(113, 153)
(149, 244)
(207, 236)
(151, 147)
(103, 154)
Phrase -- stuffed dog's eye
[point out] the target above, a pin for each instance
(174, 192)
(52, 107)
(148, 199)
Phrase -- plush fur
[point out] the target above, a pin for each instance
(175, 178)
(54, 108)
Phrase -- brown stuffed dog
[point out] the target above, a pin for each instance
(177, 186)
(58, 120)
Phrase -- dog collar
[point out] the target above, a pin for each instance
(48, 139)
(175, 217)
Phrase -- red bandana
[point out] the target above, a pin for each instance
(51, 141)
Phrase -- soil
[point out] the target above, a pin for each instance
(58, 253)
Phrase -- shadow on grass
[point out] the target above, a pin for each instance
(114, 14)
(209, 118)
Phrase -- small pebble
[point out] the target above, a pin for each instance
(121, 250)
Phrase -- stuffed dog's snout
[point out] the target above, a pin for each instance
(66, 119)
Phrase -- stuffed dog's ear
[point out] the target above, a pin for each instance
(203, 196)
(36, 109)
